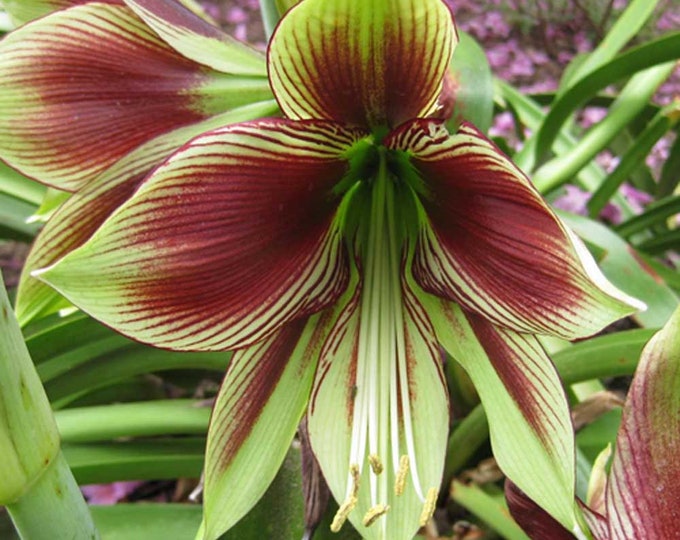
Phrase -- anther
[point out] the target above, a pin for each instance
(356, 479)
(374, 513)
(429, 506)
(400, 480)
(376, 464)
(343, 512)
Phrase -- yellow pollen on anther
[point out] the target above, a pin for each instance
(376, 464)
(343, 512)
(356, 479)
(400, 480)
(429, 506)
(374, 513)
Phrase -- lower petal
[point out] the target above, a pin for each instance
(254, 420)
(524, 401)
(378, 415)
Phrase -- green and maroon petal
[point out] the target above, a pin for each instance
(643, 492)
(231, 238)
(263, 396)
(85, 86)
(197, 39)
(490, 243)
(523, 399)
(378, 416)
(22, 11)
(363, 62)
(535, 521)
(80, 216)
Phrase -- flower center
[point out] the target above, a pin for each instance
(382, 451)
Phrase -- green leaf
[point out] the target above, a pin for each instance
(488, 509)
(471, 86)
(626, 28)
(661, 124)
(655, 214)
(632, 99)
(14, 215)
(143, 419)
(659, 51)
(627, 270)
(155, 459)
(19, 186)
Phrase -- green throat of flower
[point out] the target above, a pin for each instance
(382, 459)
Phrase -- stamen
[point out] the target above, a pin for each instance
(356, 479)
(374, 513)
(429, 506)
(400, 481)
(343, 512)
(376, 464)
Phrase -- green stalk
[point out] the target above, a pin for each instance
(53, 507)
(631, 101)
(37, 486)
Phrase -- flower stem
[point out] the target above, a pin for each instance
(53, 507)
(36, 484)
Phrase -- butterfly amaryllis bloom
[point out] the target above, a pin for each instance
(336, 251)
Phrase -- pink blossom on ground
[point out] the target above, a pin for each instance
(636, 198)
(575, 200)
(591, 116)
(106, 494)
(607, 161)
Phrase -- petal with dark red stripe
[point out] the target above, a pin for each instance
(197, 39)
(234, 236)
(85, 86)
(530, 427)
(262, 399)
(490, 243)
(535, 521)
(378, 414)
(362, 62)
(643, 492)
(79, 217)
(22, 11)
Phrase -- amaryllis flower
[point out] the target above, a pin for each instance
(98, 93)
(335, 250)
(640, 497)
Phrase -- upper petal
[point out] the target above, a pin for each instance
(490, 243)
(84, 86)
(229, 239)
(363, 62)
(22, 11)
(197, 39)
(524, 401)
(643, 492)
